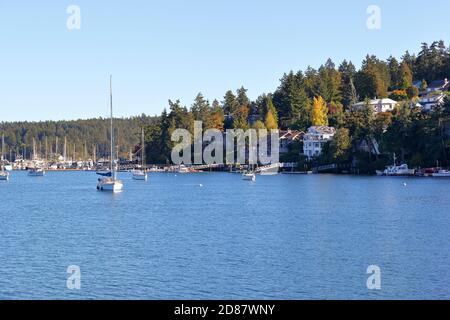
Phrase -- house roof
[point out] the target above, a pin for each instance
(322, 129)
(438, 84)
(291, 134)
(376, 102)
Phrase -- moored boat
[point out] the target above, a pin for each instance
(401, 170)
(442, 174)
(111, 183)
(36, 172)
(394, 170)
(4, 175)
(141, 174)
(250, 176)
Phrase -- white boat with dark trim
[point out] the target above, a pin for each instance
(394, 170)
(111, 183)
(442, 174)
(249, 176)
(401, 170)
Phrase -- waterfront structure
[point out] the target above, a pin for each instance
(315, 138)
(379, 105)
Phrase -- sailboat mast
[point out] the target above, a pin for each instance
(143, 150)
(3, 146)
(3, 151)
(112, 134)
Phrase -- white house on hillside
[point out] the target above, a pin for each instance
(430, 101)
(315, 138)
(379, 105)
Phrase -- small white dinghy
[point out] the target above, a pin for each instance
(36, 172)
(250, 176)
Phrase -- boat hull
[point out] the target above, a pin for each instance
(36, 173)
(248, 177)
(142, 177)
(441, 174)
(110, 185)
(4, 177)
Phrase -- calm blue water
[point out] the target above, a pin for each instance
(283, 237)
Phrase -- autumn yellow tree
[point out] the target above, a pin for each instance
(258, 125)
(271, 119)
(319, 112)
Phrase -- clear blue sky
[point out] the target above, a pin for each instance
(160, 50)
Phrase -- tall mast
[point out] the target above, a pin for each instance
(56, 146)
(65, 149)
(3, 151)
(3, 146)
(112, 134)
(143, 150)
(46, 149)
(34, 149)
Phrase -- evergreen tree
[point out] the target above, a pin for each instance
(230, 103)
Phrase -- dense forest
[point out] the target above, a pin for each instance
(82, 136)
(320, 96)
(324, 96)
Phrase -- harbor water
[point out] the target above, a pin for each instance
(215, 236)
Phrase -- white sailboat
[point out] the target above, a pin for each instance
(36, 171)
(111, 183)
(4, 175)
(141, 174)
